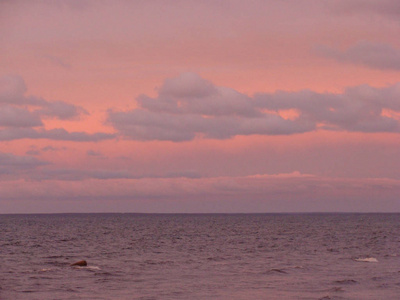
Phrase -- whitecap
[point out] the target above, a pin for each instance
(45, 270)
(93, 268)
(367, 259)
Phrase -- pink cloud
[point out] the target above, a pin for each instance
(257, 99)
(217, 112)
(21, 116)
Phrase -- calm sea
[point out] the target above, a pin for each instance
(250, 256)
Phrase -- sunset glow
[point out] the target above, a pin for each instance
(199, 106)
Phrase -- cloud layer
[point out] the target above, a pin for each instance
(374, 55)
(189, 106)
(383, 7)
(263, 193)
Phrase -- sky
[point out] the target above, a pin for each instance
(214, 106)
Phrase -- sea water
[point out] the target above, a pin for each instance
(244, 256)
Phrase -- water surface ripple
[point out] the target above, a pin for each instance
(250, 256)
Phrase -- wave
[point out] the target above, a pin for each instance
(366, 259)
(346, 281)
(92, 268)
(280, 271)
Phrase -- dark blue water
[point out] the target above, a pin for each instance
(133, 256)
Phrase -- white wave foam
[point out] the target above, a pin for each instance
(87, 267)
(45, 270)
(367, 259)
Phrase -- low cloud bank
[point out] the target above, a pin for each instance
(263, 193)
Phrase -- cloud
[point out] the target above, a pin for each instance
(32, 152)
(11, 164)
(61, 110)
(263, 193)
(382, 7)
(58, 134)
(94, 153)
(189, 106)
(11, 116)
(374, 55)
(21, 116)
(12, 92)
(358, 109)
(51, 148)
(215, 112)
(57, 61)
(71, 174)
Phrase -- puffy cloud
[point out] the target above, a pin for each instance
(191, 94)
(13, 89)
(188, 85)
(12, 92)
(357, 109)
(21, 115)
(374, 55)
(188, 106)
(217, 112)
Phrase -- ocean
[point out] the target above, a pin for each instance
(200, 256)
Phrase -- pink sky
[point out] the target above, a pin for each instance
(199, 106)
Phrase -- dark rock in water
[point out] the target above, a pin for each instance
(81, 263)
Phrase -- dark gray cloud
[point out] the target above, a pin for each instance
(374, 55)
(222, 113)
